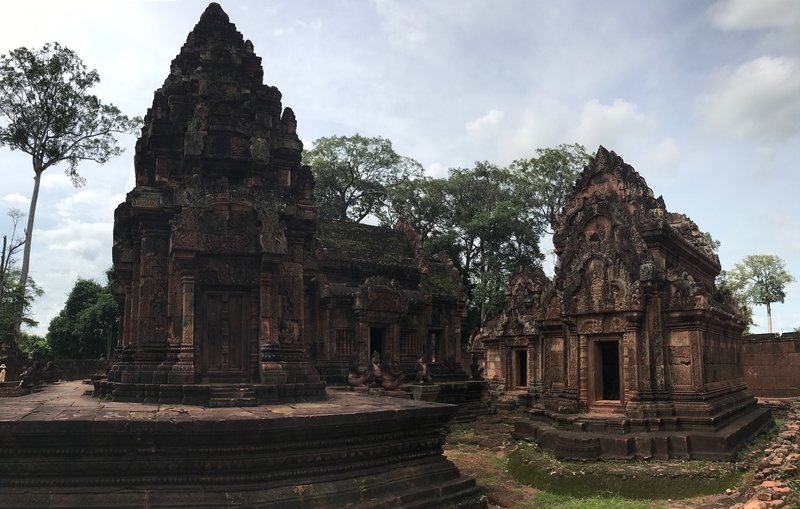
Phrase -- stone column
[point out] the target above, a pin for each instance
(583, 368)
(152, 306)
(183, 371)
(270, 369)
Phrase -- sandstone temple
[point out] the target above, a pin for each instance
(226, 274)
(237, 300)
(630, 351)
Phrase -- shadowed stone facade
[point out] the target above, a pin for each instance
(377, 291)
(630, 350)
(224, 273)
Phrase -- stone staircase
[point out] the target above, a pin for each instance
(231, 395)
(510, 400)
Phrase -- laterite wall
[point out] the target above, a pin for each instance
(772, 364)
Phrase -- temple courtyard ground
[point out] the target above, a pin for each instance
(515, 474)
(512, 473)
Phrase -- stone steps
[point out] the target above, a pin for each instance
(221, 396)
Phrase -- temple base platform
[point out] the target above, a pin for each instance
(63, 448)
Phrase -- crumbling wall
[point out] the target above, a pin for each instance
(772, 364)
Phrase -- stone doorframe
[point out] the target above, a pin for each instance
(605, 351)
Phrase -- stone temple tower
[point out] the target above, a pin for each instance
(209, 246)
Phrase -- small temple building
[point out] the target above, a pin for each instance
(235, 299)
(378, 291)
(224, 272)
(630, 351)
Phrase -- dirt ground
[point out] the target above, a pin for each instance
(479, 450)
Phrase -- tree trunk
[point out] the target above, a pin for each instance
(769, 319)
(26, 254)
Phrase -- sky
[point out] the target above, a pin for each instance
(702, 98)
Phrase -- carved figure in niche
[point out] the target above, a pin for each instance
(616, 296)
(701, 298)
(423, 375)
(158, 309)
(286, 316)
(636, 298)
(475, 369)
(596, 291)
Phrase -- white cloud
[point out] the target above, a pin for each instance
(437, 170)
(89, 202)
(663, 157)
(55, 179)
(16, 199)
(750, 14)
(760, 100)
(610, 125)
(543, 123)
(404, 28)
(485, 124)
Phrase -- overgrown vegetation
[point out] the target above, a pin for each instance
(554, 501)
(87, 325)
(626, 479)
(521, 475)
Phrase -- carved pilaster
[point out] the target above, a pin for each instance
(183, 371)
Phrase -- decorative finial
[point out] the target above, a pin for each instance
(214, 14)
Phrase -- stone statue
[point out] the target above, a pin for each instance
(423, 375)
(355, 378)
(375, 372)
(475, 369)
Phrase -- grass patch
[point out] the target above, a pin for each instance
(635, 481)
(675, 479)
(554, 501)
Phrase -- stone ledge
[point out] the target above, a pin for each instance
(61, 448)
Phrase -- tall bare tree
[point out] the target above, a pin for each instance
(50, 115)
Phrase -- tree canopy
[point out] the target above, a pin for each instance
(15, 303)
(545, 180)
(87, 325)
(488, 219)
(49, 114)
(758, 280)
(354, 174)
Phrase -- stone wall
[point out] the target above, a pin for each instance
(772, 364)
(78, 369)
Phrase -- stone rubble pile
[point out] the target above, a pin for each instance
(778, 467)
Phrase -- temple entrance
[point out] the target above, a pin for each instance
(520, 368)
(225, 337)
(376, 340)
(435, 346)
(606, 387)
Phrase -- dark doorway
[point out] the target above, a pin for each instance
(521, 368)
(225, 337)
(609, 365)
(376, 337)
(435, 346)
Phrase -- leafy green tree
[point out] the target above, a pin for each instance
(759, 280)
(12, 301)
(11, 245)
(492, 233)
(33, 345)
(489, 219)
(50, 115)
(354, 174)
(545, 181)
(424, 202)
(84, 328)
